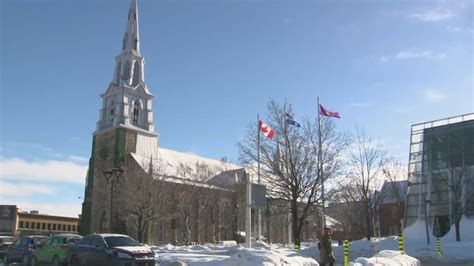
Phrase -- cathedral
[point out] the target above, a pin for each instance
(154, 194)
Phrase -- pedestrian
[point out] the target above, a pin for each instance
(325, 251)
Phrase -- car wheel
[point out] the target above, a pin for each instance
(33, 261)
(73, 261)
(56, 261)
(25, 260)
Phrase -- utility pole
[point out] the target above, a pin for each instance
(248, 213)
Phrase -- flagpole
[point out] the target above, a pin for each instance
(320, 166)
(259, 211)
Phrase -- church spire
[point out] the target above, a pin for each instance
(131, 38)
(127, 101)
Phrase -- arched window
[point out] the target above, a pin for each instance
(136, 110)
(118, 74)
(124, 41)
(126, 71)
(135, 44)
(112, 112)
(136, 73)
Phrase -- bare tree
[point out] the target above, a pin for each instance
(395, 172)
(144, 198)
(461, 187)
(345, 207)
(289, 164)
(366, 162)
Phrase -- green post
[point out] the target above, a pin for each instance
(440, 253)
(297, 248)
(401, 245)
(346, 252)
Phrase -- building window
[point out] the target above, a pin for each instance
(38, 225)
(32, 225)
(43, 226)
(74, 228)
(64, 227)
(49, 226)
(21, 224)
(69, 227)
(112, 112)
(54, 226)
(136, 110)
(27, 225)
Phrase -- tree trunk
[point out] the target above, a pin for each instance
(140, 228)
(296, 226)
(458, 231)
(367, 213)
(269, 224)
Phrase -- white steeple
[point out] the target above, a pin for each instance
(131, 38)
(127, 101)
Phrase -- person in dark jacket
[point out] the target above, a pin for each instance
(325, 252)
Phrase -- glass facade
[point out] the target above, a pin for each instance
(436, 148)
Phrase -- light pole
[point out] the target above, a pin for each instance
(112, 175)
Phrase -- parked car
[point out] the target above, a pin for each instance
(5, 242)
(110, 249)
(22, 249)
(55, 250)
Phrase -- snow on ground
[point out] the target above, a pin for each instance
(378, 251)
(387, 257)
(453, 251)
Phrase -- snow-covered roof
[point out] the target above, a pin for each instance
(172, 163)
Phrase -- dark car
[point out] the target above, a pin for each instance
(5, 242)
(22, 249)
(110, 249)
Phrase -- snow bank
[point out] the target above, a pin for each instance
(253, 257)
(387, 257)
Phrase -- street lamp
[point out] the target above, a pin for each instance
(112, 175)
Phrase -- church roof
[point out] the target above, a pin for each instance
(184, 165)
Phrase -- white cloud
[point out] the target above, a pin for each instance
(460, 29)
(360, 104)
(434, 96)
(422, 54)
(69, 209)
(405, 55)
(59, 171)
(78, 159)
(23, 189)
(432, 15)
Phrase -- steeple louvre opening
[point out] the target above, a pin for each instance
(136, 73)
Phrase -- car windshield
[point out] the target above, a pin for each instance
(121, 241)
(71, 240)
(39, 240)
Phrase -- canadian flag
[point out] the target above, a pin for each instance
(266, 130)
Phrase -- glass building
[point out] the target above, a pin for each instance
(441, 154)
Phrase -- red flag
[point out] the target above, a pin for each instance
(325, 112)
(266, 130)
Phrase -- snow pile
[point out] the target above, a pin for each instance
(453, 251)
(387, 257)
(256, 257)
(358, 248)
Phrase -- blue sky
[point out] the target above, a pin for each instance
(212, 66)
